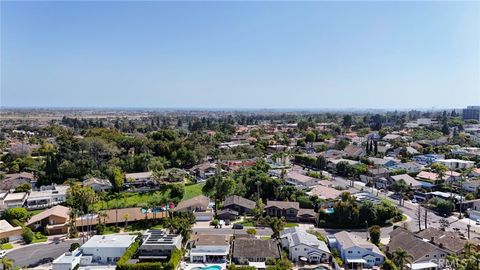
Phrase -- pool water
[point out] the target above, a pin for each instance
(213, 267)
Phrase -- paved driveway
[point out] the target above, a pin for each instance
(32, 254)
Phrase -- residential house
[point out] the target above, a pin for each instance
(452, 176)
(254, 252)
(204, 170)
(68, 260)
(354, 151)
(301, 244)
(54, 220)
(239, 204)
(209, 248)
(8, 232)
(447, 240)
(409, 167)
(158, 245)
(199, 206)
(356, 251)
(98, 184)
(427, 159)
(411, 182)
(45, 198)
(324, 192)
(471, 185)
(300, 180)
(11, 200)
(383, 162)
(141, 179)
(425, 254)
(455, 164)
(427, 176)
(105, 249)
(290, 210)
(11, 181)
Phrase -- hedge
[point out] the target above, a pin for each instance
(172, 264)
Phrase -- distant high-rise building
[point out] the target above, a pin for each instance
(471, 112)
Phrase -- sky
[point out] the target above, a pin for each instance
(254, 55)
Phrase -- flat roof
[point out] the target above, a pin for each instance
(105, 241)
(210, 250)
(423, 265)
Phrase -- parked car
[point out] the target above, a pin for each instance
(237, 226)
(3, 253)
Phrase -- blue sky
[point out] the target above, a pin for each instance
(240, 54)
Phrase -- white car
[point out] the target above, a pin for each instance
(3, 253)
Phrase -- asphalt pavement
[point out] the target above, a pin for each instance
(34, 253)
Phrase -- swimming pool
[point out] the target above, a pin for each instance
(212, 267)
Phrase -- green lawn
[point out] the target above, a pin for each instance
(34, 212)
(193, 191)
(290, 224)
(126, 200)
(6, 246)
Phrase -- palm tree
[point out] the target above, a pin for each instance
(125, 217)
(468, 248)
(401, 257)
(6, 263)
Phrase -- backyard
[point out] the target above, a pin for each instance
(192, 191)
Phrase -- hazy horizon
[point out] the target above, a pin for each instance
(240, 55)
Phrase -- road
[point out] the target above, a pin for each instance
(410, 209)
(32, 254)
(229, 231)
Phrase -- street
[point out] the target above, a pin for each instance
(230, 231)
(33, 254)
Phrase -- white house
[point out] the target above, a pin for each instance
(301, 181)
(357, 252)
(45, 198)
(98, 250)
(105, 249)
(454, 164)
(301, 244)
(67, 261)
(98, 184)
(209, 248)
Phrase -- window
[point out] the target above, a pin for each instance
(296, 249)
(377, 259)
(305, 249)
(349, 252)
(426, 256)
(358, 252)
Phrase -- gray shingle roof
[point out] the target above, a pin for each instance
(255, 248)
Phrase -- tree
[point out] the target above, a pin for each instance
(388, 265)
(401, 258)
(27, 235)
(310, 137)
(375, 232)
(17, 213)
(25, 187)
(117, 178)
(251, 231)
(73, 246)
(218, 187)
(347, 121)
(7, 263)
(400, 187)
(259, 207)
(277, 225)
(444, 224)
(126, 216)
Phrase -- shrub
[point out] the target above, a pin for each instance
(251, 231)
(28, 235)
(73, 246)
(17, 213)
